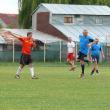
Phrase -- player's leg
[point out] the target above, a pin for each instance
(19, 71)
(32, 71)
(82, 68)
(70, 60)
(81, 57)
(72, 65)
(97, 70)
(93, 67)
(22, 64)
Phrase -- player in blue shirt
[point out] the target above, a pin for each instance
(85, 42)
(95, 51)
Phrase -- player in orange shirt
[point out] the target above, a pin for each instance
(27, 44)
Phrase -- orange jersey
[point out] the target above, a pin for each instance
(27, 44)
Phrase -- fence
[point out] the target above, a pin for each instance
(46, 52)
(55, 52)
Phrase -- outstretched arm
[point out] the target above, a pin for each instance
(14, 35)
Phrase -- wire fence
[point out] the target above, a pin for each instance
(51, 52)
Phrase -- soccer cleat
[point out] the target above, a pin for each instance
(82, 75)
(34, 77)
(17, 77)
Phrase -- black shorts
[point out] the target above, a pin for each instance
(81, 56)
(25, 59)
(95, 58)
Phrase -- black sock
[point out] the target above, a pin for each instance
(97, 71)
(93, 71)
(83, 67)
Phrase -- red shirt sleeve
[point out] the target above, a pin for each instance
(21, 39)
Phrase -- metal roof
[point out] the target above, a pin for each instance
(2, 41)
(102, 32)
(75, 9)
(46, 38)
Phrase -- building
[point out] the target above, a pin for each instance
(65, 21)
(8, 20)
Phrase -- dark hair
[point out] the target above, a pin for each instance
(29, 33)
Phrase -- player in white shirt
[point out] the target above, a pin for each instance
(71, 53)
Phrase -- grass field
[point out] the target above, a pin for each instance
(56, 89)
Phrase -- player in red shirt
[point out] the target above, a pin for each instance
(27, 44)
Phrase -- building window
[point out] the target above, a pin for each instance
(99, 20)
(68, 19)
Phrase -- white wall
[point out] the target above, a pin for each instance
(34, 21)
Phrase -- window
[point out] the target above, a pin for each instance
(68, 19)
(99, 20)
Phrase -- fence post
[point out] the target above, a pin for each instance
(44, 51)
(13, 50)
(60, 51)
(76, 47)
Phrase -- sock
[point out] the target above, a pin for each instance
(19, 70)
(83, 67)
(93, 70)
(97, 71)
(32, 71)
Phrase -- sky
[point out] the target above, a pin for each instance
(9, 6)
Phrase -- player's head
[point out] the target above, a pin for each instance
(97, 40)
(69, 39)
(29, 35)
(85, 32)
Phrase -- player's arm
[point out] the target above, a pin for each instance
(92, 41)
(34, 43)
(14, 35)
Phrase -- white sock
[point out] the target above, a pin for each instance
(19, 70)
(32, 71)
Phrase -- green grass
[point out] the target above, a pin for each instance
(56, 89)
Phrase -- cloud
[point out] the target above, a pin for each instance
(9, 6)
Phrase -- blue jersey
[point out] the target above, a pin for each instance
(96, 49)
(84, 41)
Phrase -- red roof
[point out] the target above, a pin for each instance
(10, 20)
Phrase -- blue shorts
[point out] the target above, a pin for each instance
(95, 58)
(81, 56)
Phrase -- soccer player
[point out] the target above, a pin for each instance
(27, 44)
(95, 51)
(71, 53)
(85, 42)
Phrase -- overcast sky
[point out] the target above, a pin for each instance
(9, 6)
